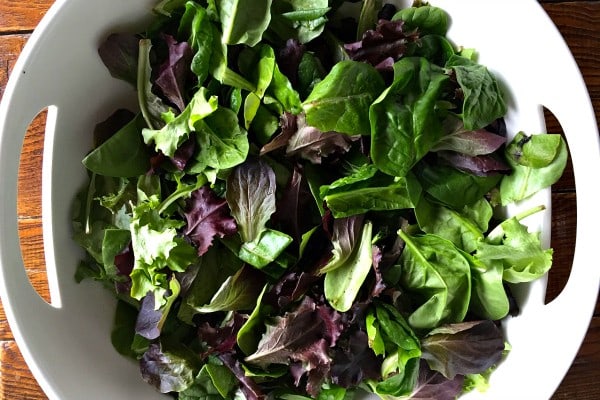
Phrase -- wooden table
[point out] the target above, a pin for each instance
(578, 21)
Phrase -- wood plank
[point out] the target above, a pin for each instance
(17, 15)
(10, 48)
(17, 382)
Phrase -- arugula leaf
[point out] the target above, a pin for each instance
(340, 102)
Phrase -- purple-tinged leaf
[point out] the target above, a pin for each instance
(251, 195)
(289, 58)
(289, 126)
(484, 165)
(106, 129)
(378, 285)
(249, 388)
(289, 289)
(148, 319)
(221, 339)
(207, 216)
(119, 52)
(432, 385)
(463, 348)
(166, 371)
(174, 71)
(388, 40)
(311, 144)
(471, 143)
(332, 323)
(292, 215)
(354, 361)
(345, 238)
(289, 336)
(183, 154)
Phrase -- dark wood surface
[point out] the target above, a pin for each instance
(578, 21)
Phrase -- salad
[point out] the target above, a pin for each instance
(306, 202)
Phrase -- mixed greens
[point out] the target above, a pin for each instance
(304, 205)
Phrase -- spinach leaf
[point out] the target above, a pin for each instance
(439, 275)
(123, 155)
(381, 193)
(464, 228)
(483, 99)
(340, 102)
(452, 187)
(405, 122)
(219, 67)
(425, 18)
(244, 21)
(222, 142)
(342, 284)
(538, 161)
(488, 295)
(213, 382)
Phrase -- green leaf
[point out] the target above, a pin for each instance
(172, 135)
(427, 19)
(196, 26)
(250, 333)
(374, 195)
(405, 122)
(374, 334)
(239, 292)
(341, 101)
(266, 249)
(368, 17)
(537, 163)
(115, 240)
(464, 228)
(123, 155)
(222, 142)
(437, 273)
(343, 283)
(519, 251)
(488, 295)
(303, 20)
(151, 105)
(483, 99)
(244, 21)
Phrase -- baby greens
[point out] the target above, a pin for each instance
(304, 204)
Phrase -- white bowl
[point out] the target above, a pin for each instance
(67, 343)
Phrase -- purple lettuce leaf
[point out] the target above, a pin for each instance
(166, 371)
(293, 207)
(471, 143)
(223, 338)
(378, 286)
(174, 71)
(354, 361)
(312, 145)
(307, 142)
(289, 58)
(119, 52)
(248, 386)
(289, 289)
(207, 216)
(484, 165)
(432, 385)
(148, 318)
(251, 195)
(463, 348)
(289, 336)
(183, 154)
(382, 46)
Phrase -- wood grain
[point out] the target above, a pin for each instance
(578, 21)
